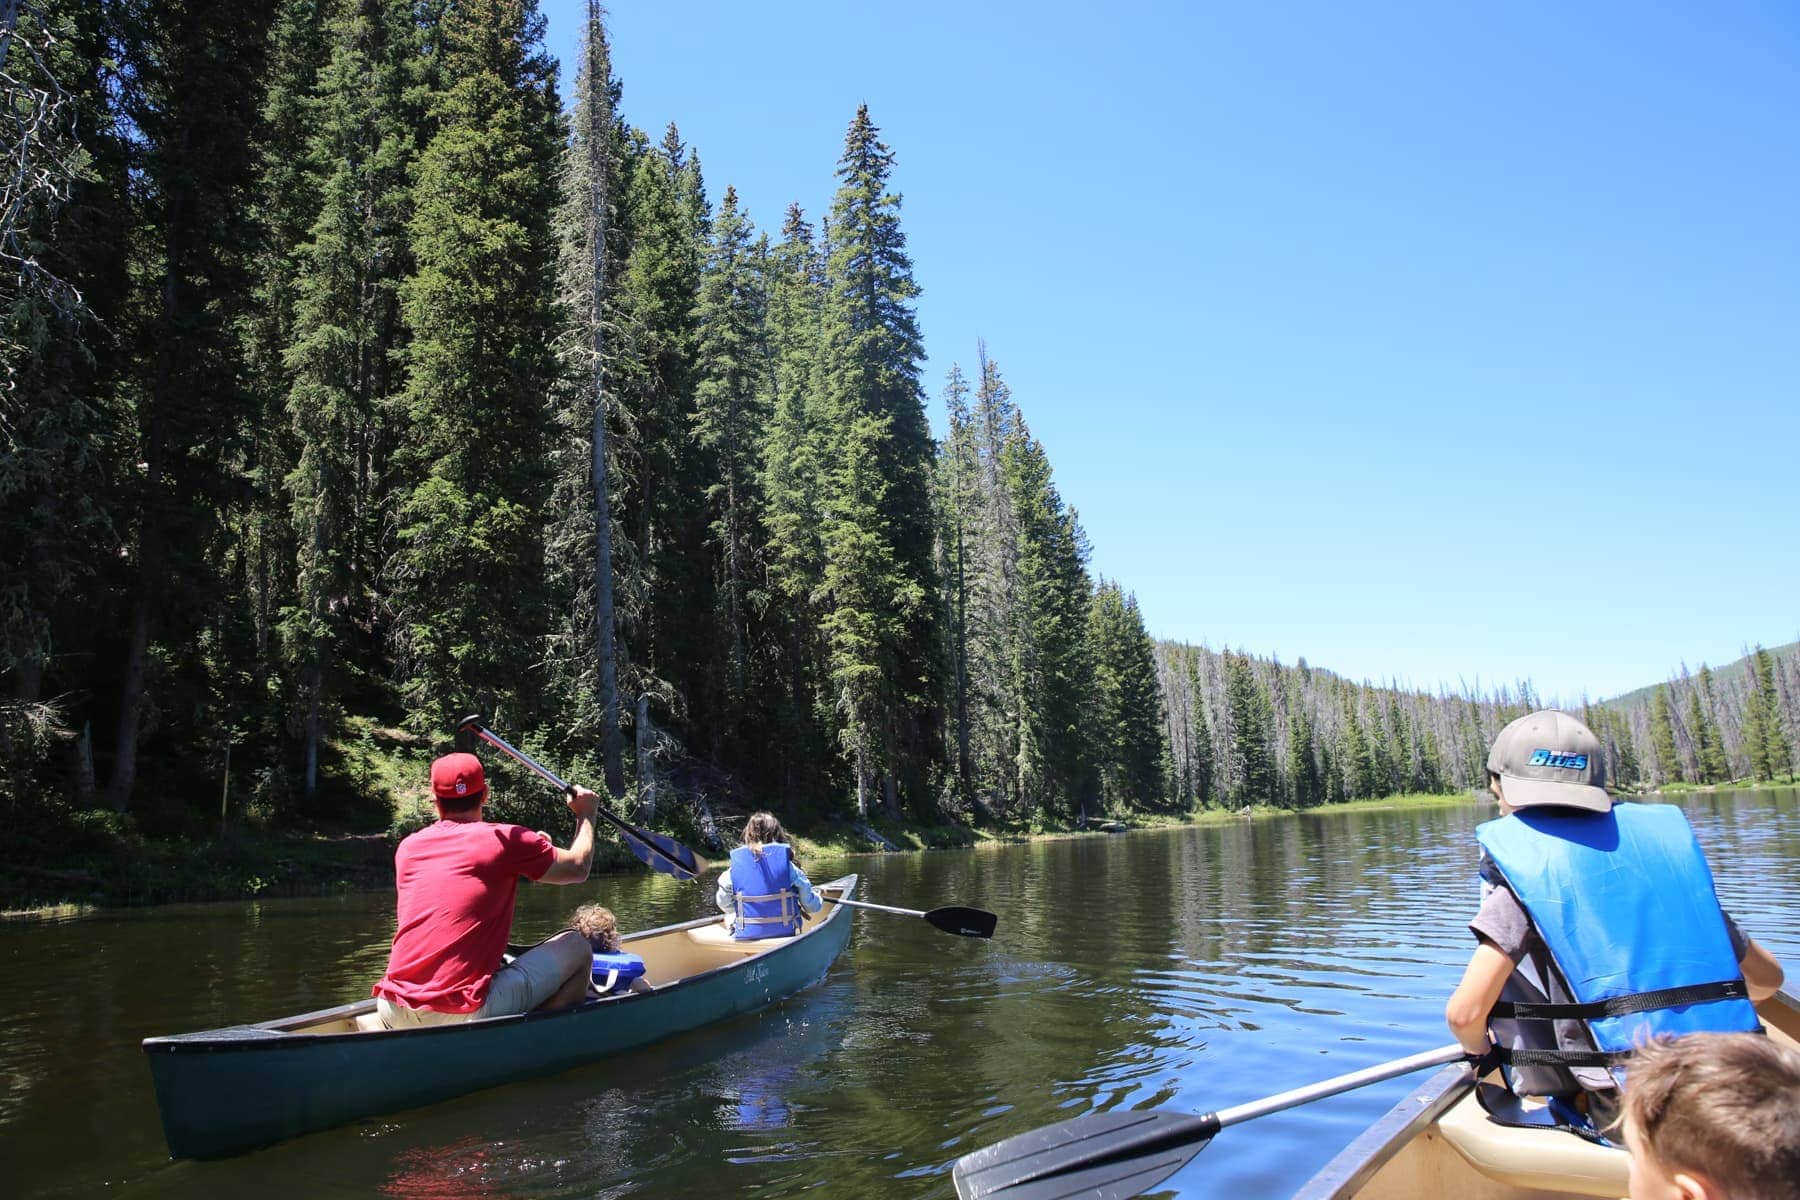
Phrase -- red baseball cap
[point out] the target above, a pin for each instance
(458, 777)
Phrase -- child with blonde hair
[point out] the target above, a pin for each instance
(614, 970)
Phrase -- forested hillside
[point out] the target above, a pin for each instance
(354, 384)
(1739, 722)
(1248, 730)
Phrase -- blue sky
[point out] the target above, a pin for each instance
(1430, 342)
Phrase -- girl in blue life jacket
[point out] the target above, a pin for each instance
(764, 889)
(1598, 930)
(614, 970)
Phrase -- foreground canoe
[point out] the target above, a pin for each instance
(1439, 1142)
(228, 1090)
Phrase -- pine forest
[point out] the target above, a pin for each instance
(352, 383)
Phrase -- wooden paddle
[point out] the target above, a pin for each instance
(1113, 1155)
(963, 922)
(655, 850)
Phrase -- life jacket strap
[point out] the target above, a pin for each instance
(1619, 1006)
(788, 910)
(1559, 1058)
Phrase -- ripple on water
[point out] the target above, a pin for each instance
(1187, 969)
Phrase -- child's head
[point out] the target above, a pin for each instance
(1714, 1116)
(762, 829)
(598, 925)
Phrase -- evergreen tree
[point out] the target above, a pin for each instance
(1662, 737)
(1709, 750)
(59, 420)
(584, 656)
(1253, 768)
(959, 467)
(1128, 727)
(793, 449)
(287, 204)
(345, 333)
(731, 409)
(1054, 672)
(467, 574)
(876, 495)
(1204, 759)
(1302, 766)
(1770, 754)
(196, 68)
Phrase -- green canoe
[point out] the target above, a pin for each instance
(225, 1091)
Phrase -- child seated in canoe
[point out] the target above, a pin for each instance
(1598, 929)
(764, 889)
(614, 970)
(1714, 1117)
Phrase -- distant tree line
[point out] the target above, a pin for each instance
(349, 375)
(1247, 730)
(1713, 727)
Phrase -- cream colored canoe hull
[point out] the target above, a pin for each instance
(1439, 1142)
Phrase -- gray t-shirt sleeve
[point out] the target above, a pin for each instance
(1740, 945)
(1503, 922)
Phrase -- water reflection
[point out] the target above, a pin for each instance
(1190, 969)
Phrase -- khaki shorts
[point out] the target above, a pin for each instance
(518, 987)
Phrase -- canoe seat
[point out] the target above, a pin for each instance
(718, 937)
(1546, 1160)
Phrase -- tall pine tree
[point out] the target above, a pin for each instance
(467, 575)
(876, 494)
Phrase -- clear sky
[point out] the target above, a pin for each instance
(1430, 342)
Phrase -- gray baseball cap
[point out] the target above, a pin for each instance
(1550, 758)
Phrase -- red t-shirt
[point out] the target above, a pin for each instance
(456, 881)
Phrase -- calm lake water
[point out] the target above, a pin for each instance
(1185, 969)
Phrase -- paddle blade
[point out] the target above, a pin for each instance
(662, 853)
(1102, 1156)
(964, 922)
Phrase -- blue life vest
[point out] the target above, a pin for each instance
(614, 972)
(1624, 903)
(767, 903)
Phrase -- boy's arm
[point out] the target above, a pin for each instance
(1762, 973)
(1476, 995)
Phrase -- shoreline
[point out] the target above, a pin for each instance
(247, 868)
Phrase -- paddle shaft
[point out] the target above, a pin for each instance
(886, 908)
(495, 740)
(1239, 1113)
(562, 785)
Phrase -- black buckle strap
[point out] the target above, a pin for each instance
(1619, 1006)
(1560, 1058)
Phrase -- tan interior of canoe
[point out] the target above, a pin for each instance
(667, 957)
(1465, 1155)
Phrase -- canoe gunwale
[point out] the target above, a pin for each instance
(1353, 1167)
(283, 1033)
(1357, 1163)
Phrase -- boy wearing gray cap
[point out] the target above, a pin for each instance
(1598, 930)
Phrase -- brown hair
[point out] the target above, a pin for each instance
(1725, 1106)
(598, 925)
(762, 829)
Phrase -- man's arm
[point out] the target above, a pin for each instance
(572, 865)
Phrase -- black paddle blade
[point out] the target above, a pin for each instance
(662, 853)
(1102, 1156)
(964, 922)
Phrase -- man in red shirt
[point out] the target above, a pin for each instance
(456, 882)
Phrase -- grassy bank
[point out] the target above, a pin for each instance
(1735, 785)
(110, 865)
